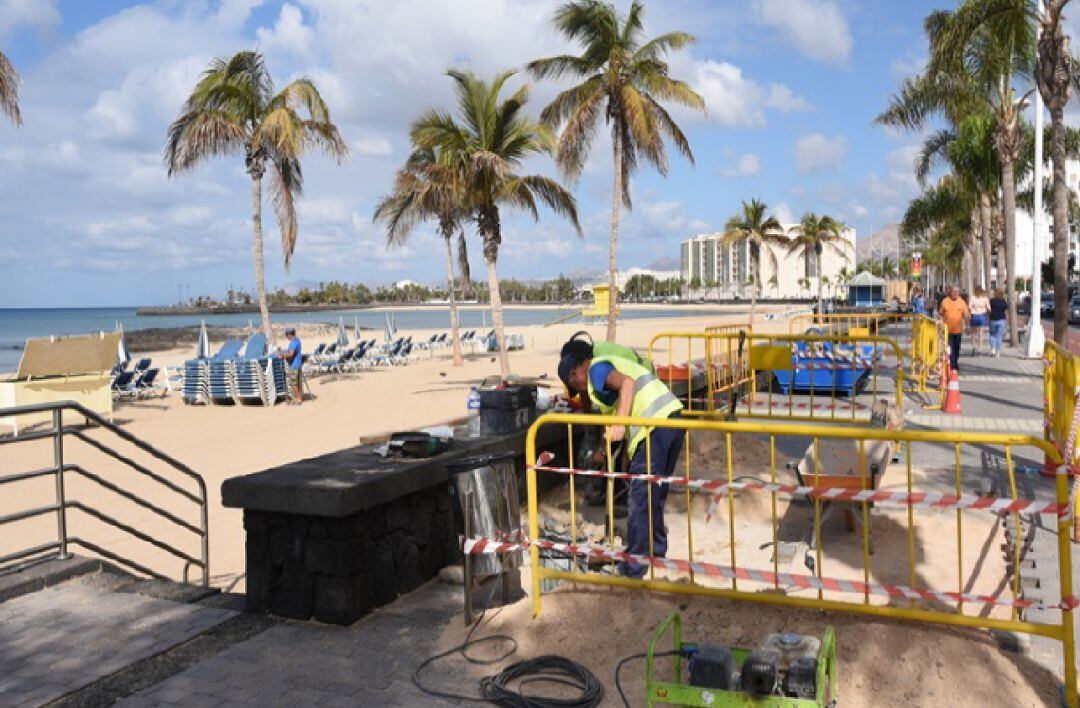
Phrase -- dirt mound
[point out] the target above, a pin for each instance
(880, 663)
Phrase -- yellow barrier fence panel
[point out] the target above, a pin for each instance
(767, 375)
(822, 517)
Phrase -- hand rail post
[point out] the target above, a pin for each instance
(61, 502)
(205, 510)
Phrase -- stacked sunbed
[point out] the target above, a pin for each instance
(232, 377)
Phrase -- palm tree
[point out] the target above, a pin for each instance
(425, 189)
(973, 66)
(1054, 72)
(758, 230)
(813, 234)
(968, 149)
(9, 90)
(234, 109)
(491, 141)
(624, 81)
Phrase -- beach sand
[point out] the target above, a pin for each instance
(227, 441)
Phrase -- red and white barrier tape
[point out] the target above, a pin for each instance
(934, 500)
(810, 582)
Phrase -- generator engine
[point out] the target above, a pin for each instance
(784, 666)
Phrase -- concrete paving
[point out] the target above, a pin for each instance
(60, 639)
(301, 664)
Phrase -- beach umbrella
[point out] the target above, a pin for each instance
(342, 337)
(122, 354)
(356, 328)
(388, 333)
(202, 349)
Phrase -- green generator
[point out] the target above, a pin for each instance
(785, 671)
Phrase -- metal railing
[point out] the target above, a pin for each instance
(915, 505)
(62, 467)
(783, 376)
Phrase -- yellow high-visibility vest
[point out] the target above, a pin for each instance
(652, 399)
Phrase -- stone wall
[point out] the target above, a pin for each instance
(335, 570)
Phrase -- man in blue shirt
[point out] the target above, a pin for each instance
(295, 365)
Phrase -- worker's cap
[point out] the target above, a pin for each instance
(290, 330)
(566, 365)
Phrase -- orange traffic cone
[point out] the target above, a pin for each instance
(952, 395)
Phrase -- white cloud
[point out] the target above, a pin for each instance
(373, 147)
(816, 152)
(733, 100)
(784, 213)
(289, 32)
(909, 64)
(39, 14)
(747, 165)
(816, 27)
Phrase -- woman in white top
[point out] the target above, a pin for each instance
(980, 308)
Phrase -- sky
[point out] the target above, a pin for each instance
(89, 217)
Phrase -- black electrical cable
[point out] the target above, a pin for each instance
(627, 659)
(542, 669)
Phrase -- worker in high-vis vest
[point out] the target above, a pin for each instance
(618, 386)
(583, 344)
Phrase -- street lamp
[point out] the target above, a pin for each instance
(1036, 340)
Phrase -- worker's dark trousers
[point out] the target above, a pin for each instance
(954, 351)
(665, 445)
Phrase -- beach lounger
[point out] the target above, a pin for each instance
(146, 385)
(142, 365)
(196, 386)
(124, 384)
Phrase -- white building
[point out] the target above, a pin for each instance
(725, 270)
(1025, 227)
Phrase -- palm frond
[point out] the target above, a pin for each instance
(286, 185)
(559, 66)
(200, 135)
(9, 90)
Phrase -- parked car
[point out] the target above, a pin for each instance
(1074, 310)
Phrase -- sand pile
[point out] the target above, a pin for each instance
(880, 663)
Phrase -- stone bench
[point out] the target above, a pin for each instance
(335, 536)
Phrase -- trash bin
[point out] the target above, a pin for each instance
(491, 482)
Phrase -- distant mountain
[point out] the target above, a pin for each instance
(664, 264)
(883, 242)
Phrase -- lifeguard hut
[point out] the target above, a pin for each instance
(601, 302)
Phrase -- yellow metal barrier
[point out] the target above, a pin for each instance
(927, 351)
(738, 571)
(729, 328)
(791, 377)
(1061, 382)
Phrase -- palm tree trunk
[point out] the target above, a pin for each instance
(985, 221)
(260, 264)
(613, 261)
(820, 309)
(1061, 228)
(1008, 197)
(487, 223)
(497, 317)
(447, 236)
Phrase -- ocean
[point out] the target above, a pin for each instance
(18, 325)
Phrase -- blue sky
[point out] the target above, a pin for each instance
(88, 217)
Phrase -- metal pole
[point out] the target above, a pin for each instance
(1036, 339)
(58, 458)
(468, 503)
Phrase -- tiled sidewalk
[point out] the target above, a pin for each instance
(58, 640)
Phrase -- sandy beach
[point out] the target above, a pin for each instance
(226, 441)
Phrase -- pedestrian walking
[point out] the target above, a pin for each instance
(980, 308)
(954, 312)
(999, 312)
